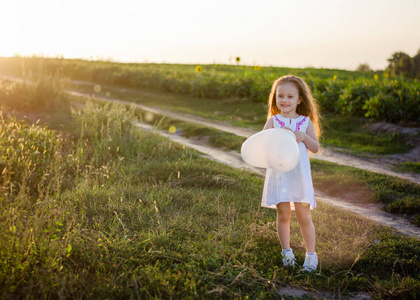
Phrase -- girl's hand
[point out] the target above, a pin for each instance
(300, 136)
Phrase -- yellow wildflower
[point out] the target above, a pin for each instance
(198, 69)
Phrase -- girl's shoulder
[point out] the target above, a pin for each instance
(269, 124)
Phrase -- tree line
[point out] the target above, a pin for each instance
(400, 65)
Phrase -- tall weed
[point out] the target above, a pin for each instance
(41, 92)
(31, 160)
(105, 132)
(36, 232)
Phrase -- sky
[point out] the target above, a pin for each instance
(337, 34)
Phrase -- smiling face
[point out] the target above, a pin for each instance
(287, 99)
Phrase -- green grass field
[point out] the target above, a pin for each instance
(91, 207)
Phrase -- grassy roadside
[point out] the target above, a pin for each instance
(132, 214)
(408, 167)
(345, 132)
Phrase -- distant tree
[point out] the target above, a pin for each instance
(416, 65)
(364, 68)
(400, 64)
(396, 58)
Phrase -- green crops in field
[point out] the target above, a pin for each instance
(343, 92)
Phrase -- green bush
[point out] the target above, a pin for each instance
(354, 95)
(409, 205)
(327, 93)
(396, 101)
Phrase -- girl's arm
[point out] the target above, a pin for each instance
(269, 124)
(309, 138)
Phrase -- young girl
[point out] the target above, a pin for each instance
(292, 107)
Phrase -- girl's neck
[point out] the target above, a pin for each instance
(291, 115)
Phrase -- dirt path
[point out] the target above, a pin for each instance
(382, 165)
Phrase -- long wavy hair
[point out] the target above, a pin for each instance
(308, 107)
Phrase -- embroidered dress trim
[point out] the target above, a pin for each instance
(282, 124)
(300, 123)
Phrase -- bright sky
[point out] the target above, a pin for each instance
(302, 33)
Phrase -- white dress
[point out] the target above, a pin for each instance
(295, 185)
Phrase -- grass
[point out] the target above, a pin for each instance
(413, 167)
(127, 225)
(114, 212)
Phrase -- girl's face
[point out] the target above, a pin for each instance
(287, 99)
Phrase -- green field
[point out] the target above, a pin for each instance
(91, 207)
(376, 96)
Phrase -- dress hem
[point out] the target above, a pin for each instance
(274, 206)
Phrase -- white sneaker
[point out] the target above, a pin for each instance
(311, 262)
(288, 259)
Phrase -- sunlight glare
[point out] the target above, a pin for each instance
(28, 27)
(97, 88)
(9, 28)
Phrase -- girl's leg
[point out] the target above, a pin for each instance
(303, 216)
(283, 224)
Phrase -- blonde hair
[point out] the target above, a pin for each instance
(308, 107)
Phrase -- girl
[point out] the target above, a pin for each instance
(292, 107)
